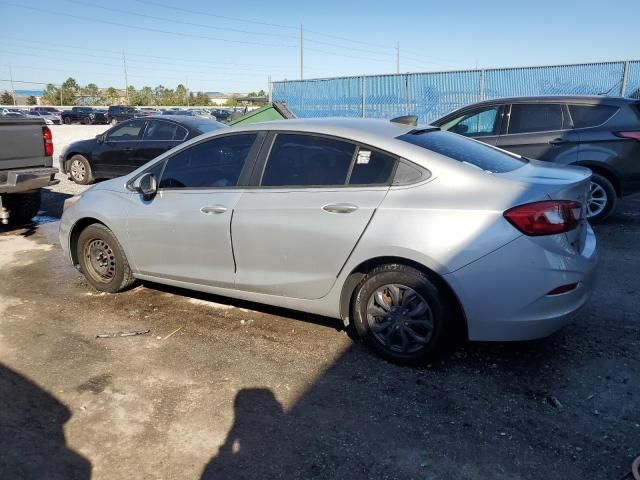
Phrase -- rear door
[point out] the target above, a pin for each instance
(481, 123)
(316, 196)
(120, 154)
(541, 131)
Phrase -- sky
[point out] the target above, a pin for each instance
(235, 46)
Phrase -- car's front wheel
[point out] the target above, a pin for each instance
(113, 121)
(102, 259)
(602, 199)
(80, 170)
(66, 121)
(400, 313)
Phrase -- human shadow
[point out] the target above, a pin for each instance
(32, 441)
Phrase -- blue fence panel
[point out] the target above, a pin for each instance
(633, 80)
(589, 79)
(335, 97)
(431, 95)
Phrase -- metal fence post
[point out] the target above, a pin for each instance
(623, 85)
(482, 84)
(364, 96)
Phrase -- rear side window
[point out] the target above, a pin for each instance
(307, 160)
(371, 167)
(536, 117)
(159, 130)
(584, 116)
(216, 163)
(465, 150)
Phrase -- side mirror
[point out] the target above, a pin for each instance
(460, 128)
(146, 185)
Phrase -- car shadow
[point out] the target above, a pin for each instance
(32, 441)
(52, 204)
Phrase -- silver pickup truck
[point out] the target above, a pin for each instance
(26, 150)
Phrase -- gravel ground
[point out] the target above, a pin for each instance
(226, 389)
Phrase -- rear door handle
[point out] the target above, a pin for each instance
(558, 141)
(213, 209)
(340, 208)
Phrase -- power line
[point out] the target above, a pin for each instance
(148, 29)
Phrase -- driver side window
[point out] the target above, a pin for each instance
(126, 132)
(216, 163)
(477, 123)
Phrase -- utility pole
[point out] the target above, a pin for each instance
(13, 90)
(126, 81)
(398, 57)
(270, 89)
(301, 52)
(187, 90)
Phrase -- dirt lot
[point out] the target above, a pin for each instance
(244, 391)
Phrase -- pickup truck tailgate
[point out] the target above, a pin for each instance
(22, 144)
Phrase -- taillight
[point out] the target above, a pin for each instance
(48, 141)
(545, 218)
(630, 135)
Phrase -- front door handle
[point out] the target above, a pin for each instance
(340, 208)
(557, 141)
(213, 209)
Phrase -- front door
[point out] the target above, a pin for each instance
(541, 131)
(293, 234)
(183, 233)
(119, 153)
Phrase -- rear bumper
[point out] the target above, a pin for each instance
(505, 294)
(26, 179)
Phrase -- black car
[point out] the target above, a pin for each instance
(84, 115)
(128, 145)
(120, 113)
(602, 133)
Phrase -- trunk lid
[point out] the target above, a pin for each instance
(548, 181)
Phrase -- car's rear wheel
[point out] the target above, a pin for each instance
(400, 313)
(22, 206)
(66, 121)
(86, 121)
(80, 170)
(102, 259)
(602, 199)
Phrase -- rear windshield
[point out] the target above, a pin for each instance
(465, 150)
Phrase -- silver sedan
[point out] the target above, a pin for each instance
(405, 232)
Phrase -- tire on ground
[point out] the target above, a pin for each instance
(120, 276)
(88, 176)
(419, 282)
(612, 198)
(22, 206)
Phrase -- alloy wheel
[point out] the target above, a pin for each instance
(78, 171)
(597, 199)
(400, 318)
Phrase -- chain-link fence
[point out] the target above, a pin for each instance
(431, 95)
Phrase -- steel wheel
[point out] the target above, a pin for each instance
(400, 318)
(78, 171)
(100, 260)
(598, 199)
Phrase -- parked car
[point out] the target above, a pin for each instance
(174, 111)
(407, 232)
(49, 118)
(602, 133)
(221, 114)
(128, 145)
(148, 111)
(25, 167)
(51, 110)
(84, 115)
(120, 113)
(12, 112)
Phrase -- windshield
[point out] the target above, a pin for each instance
(465, 150)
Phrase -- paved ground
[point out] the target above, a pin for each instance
(243, 391)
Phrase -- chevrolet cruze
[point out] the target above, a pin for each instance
(406, 232)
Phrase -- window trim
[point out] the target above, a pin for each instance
(263, 159)
(244, 173)
(563, 108)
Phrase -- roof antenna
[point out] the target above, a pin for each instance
(411, 120)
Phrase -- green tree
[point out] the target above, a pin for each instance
(232, 102)
(31, 100)
(111, 95)
(201, 99)
(91, 94)
(51, 95)
(262, 93)
(180, 96)
(6, 99)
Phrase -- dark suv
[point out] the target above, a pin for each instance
(120, 113)
(602, 133)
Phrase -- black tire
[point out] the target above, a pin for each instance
(22, 206)
(102, 260)
(66, 121)
(438, 312)
(80, 170)
(86, 121)
(601, 188)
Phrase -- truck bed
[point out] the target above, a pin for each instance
(21, 144)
